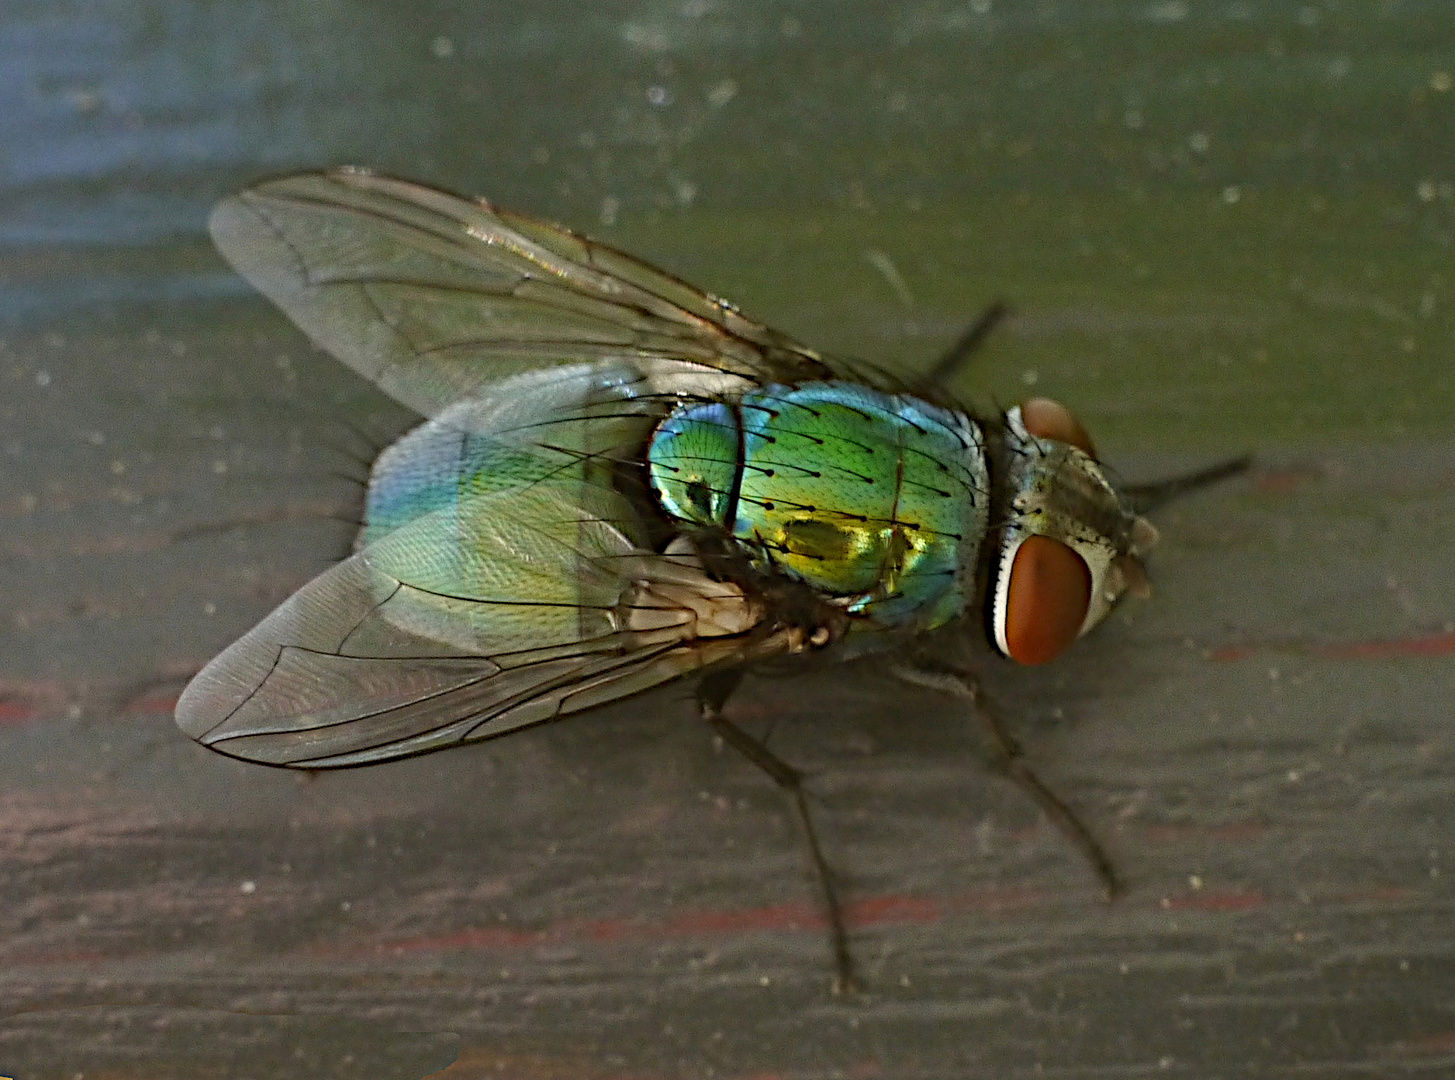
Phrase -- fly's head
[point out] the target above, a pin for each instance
(1069, 547)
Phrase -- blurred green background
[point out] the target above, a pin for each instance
(1222, 223)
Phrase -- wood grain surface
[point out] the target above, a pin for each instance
(1221, 229)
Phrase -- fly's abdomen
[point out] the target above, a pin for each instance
(876, 500)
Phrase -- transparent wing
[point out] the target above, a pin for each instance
(435, 298)
(520, 599)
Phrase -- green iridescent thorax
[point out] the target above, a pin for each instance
(878, 501)
(694, 461)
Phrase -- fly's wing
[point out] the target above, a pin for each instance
(435, 298)
(519, 600)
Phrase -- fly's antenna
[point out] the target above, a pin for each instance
(955, 358)
(1144, 498)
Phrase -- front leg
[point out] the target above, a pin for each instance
(962, 683)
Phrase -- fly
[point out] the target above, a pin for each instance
(621, 481)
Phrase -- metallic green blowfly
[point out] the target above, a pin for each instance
(622, 481)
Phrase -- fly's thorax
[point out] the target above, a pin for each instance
(694, 462)
(876, 502)
(1069, 546)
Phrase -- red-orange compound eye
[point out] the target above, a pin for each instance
(1046, 600)
(1047, 419)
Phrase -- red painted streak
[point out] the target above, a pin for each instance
(1283, 481)
(23, 700)
(1212, 901)
(154, 704)
(1442, 644)
(899, 910)
(779, 917)
(489, 937)
(1389, 894)
(1241, 830)
(14, 712)
(73, 956)
(1435, 645)
(1233, 652)
(875, 911)
(1440, 1043)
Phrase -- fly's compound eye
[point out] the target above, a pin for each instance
(1047, 419)
(1043, 601)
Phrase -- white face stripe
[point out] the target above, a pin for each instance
(1000, 601)
(1098, 556)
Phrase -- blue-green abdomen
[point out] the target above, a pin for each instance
(876, 500)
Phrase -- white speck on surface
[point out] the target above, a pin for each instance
(1030, 378)
(209, 608)
(885, 265)
(721, 93)
(1441, 82)
(442, 47)
(1429, 190)
(659, 96)
(1199, 142)
(42, 378)
(249, 887)
(649, 38)
(1231, 194)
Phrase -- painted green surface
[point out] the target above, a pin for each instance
(1223, 225)
(1182, 320)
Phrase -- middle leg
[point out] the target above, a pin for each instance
(712, 695)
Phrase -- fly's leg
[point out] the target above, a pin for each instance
(1013, 763)
(949, 365)
(712, 694)
(1148, 497)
